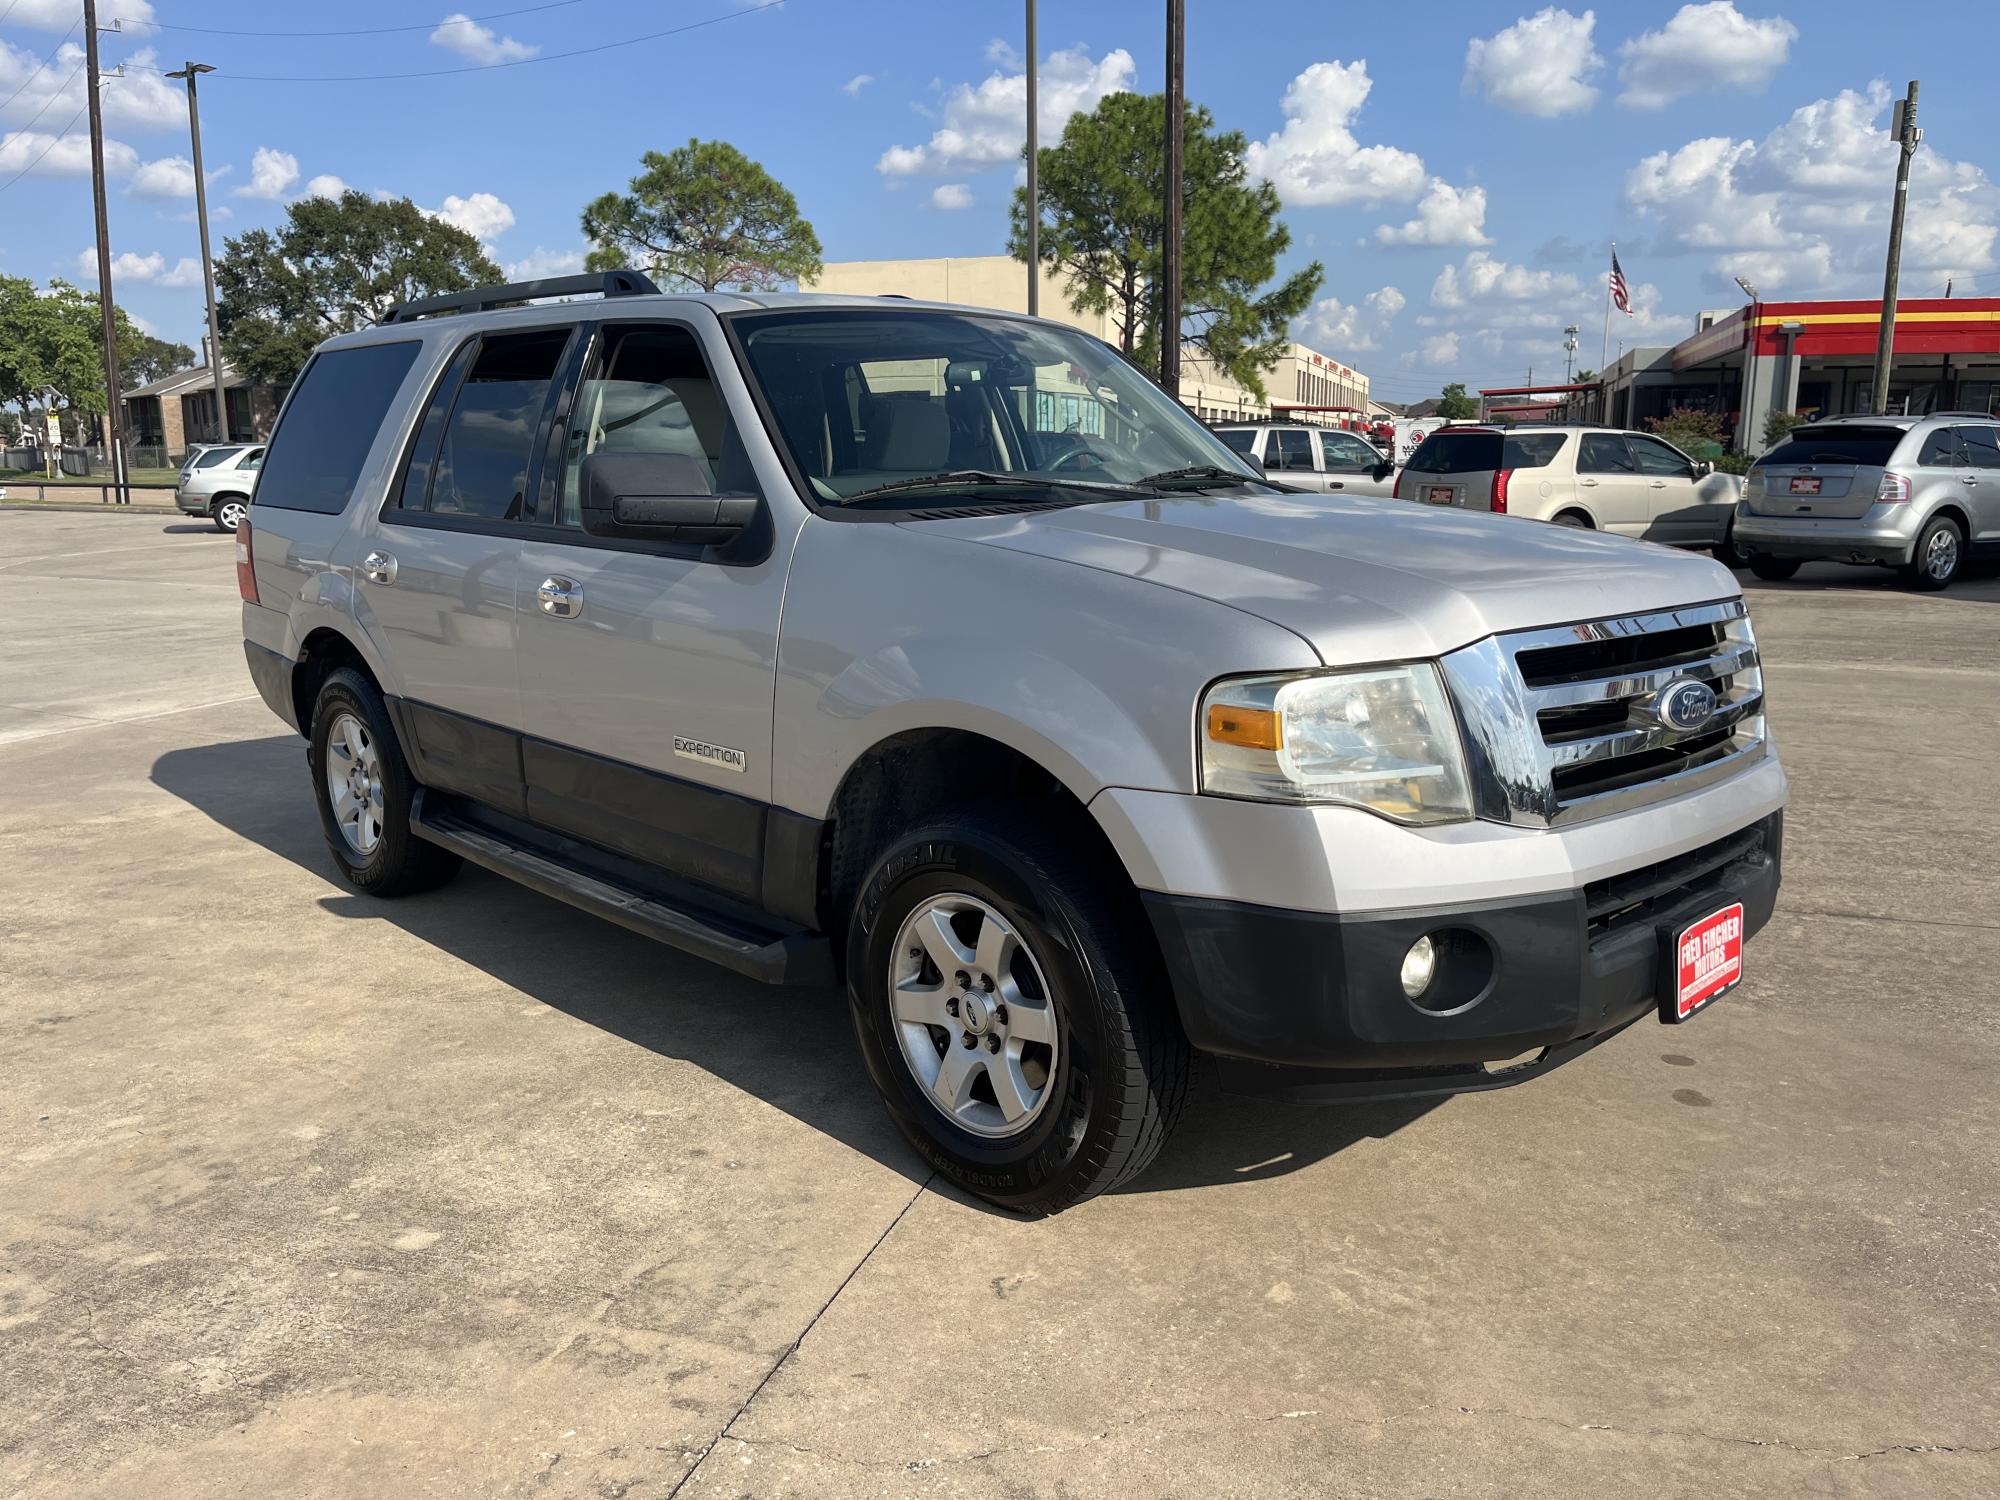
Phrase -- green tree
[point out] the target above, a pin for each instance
(705, 216)
(1455, 404)
(334, 266)
(1584, 377)
(1778, 426)
(1696, 433)
(143, 358)
(53, 339)
(1103, 223)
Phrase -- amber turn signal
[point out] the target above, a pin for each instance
(1252, 728)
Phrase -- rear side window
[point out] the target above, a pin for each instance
(1458, 453)
(1941, 450)
(1533, 450)
(1239, 441)
(1293, 447)
(1837, 445)
(329, 424)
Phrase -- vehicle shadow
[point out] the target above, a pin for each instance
(184, 529)
(791, 1048)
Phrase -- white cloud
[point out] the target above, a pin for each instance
(326, 185)
(951, 196)
(59, 15)
(139, 100)
(1483, 278)
(1346, 328)
(1707, 46)
(169, 177)
(272, 172)
(1541, 65)
(1804, 209)
(1445, 216)
(1317, 159)
(1439, 350)
(41, 154)
(539, 263)
(1004, 54)
(459, 33)
(481, 215)
(986, 126)
(126, 265)
(853, 87)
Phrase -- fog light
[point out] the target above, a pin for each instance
(1419, 965)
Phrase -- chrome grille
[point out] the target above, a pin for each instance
(1563, 724)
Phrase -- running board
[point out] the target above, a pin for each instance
(786, 956)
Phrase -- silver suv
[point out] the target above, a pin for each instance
(1917, 493)
(218, 482)
(937, 653)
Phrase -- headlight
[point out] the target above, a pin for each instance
(1382, 739)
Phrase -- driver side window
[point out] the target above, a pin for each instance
(1657, 459)
(649, 391)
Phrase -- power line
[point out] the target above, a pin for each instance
(497, 15)
(516, 62)
(46, 103)
(43, 63)
(56, 141)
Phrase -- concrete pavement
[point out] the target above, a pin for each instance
(302, 1192)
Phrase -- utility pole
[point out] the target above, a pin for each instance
(1170, 250)
(114, 416)
(1902, 126)
(1034, 180)
(207, 264)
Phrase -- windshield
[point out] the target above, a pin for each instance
(1835, 445)
(865, 399)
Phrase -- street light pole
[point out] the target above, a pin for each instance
(207, 263)
(1903, 126)
(1034, 180)
(114, 416)
(1170, 250)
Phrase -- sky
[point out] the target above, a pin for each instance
(1460, 169)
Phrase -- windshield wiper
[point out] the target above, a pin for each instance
(984, 479)
(1197, 476)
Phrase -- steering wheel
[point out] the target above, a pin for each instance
(1075, 461)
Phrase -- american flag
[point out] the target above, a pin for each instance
(1621, 295)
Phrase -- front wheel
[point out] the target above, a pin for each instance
(1014, 1013)
(229, 513)
(1936, 559)
(1774, 569)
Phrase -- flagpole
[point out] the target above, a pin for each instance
(1604, 345)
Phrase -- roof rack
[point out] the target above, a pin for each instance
(481, 298)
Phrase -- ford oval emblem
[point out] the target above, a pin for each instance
(1684, 704)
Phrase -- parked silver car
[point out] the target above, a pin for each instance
(218, 482)
(938, 652)
(1921, 494)
(1314, 458)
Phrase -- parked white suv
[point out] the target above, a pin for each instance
(1323, 459)
(937, 653)
(218, 482)
(1600, 478)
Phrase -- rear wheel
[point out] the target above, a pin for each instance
(364, 791)
(1729, 554)
(1939, 553)
(228, 512)
(1575, 519)
(1014, 1013)
(1774, 569)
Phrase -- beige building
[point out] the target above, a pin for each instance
(1303, 376)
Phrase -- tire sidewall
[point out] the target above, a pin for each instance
(963, 860)
(215, 514)
(1919, 572)
(346, 692)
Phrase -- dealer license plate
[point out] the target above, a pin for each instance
(1708, 961)
(1805, 486)
(1439, 494)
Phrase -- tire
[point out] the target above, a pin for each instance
(1937, 557)
(383, 858)
(1114, 1074)
(1729, 554)
(1573, 520)
(1774, 569)
(227, 511)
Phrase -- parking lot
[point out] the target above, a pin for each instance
(306, 1193)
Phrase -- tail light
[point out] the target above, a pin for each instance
(1497, 501)
(1893, 489)
(1396, 489)
(246, 572)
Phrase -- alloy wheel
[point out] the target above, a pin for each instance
(354, 783)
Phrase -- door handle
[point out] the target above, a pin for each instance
(1588, 483)
(1335, 484)
(379, 567)
(561, 597)
(1970, 478)
(1658, 484)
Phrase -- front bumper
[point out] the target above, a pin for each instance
(1310, 1002)
(1883, 534)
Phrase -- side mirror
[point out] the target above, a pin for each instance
(1383, 470)
(659, 497)
(1703, 468)
(1253, 460)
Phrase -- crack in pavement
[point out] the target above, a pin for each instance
(1891, 918)
(793, 1347)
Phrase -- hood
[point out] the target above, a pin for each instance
(1362, 580)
